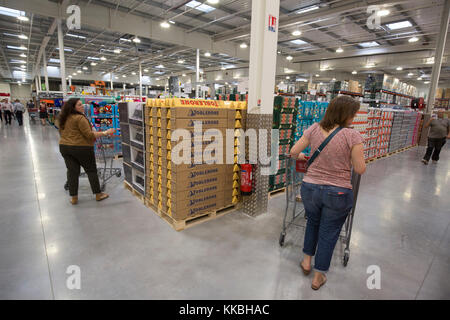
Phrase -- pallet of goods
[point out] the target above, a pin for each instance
(360, 124)
(190, 193)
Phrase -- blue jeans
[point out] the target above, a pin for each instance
(327, 208)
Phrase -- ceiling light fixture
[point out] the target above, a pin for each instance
(426, 82)
(383, 13)
(289, 58)
(180, 61)
(23, 55)
(145, 70)
(78, 71)
(74, 73)
(243, 45)
(399, 68)
(136, 40)
(419, 78)
(85, 68)
(399, 25)
(133, 73)
(103, 58)
(213, 1)
(317, 75)
(124, 76)
(354, 72)
(207, 54)
(165, 25)
(23, 18)
(93, 63)
(307, 9)
(117, 50)
(339, 50)
(22, 36)
(334, 79)
(413, 39)
(410, 74)
(296, 33)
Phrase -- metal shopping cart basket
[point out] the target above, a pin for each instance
(33, 114)
(106, 150)
(294, 214)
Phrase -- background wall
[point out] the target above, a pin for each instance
(22, 92)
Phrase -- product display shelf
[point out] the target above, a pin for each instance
(284, 119)
(133, 141)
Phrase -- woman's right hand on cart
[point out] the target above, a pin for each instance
(110, 132)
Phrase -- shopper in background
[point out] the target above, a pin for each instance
(7, 111)
(30, 104)
(77, 147)
(326, 189)
(43, 115)
(439, 132)
(19, 109)
(1, 110)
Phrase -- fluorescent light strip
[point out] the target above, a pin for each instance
(307, 9)
(11, 12)
(399, 25)
(75, 36)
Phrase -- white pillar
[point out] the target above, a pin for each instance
(44, 63)
(62, 64)
(436, 71)
(111, 80)
(263, 56)
(197, 74)
(37, 85)
(70, 82)
(39, 80)
(124, 86)
(140, 81)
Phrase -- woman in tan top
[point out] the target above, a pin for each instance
(77, 147)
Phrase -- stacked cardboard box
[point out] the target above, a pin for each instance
(360, 124)
(183, 190)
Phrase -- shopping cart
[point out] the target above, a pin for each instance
(33, 114)
(295, 172)
(106, 150)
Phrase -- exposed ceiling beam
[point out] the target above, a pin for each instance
(100, 17)
(331, 9)
(44, 43)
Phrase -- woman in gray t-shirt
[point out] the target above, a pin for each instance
(439, 132)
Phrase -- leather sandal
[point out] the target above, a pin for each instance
(320, 285)
(101, 196)
(305, 271)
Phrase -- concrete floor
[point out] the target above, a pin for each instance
(127, 252)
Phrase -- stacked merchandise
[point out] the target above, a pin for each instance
(374, 123)
(132, 129)
(232, 97)
(104, 115)
(417, 129)
(384, 133)
(397, 140)
(284, 119)
(360, 124)
(408, 126)
(309, 112)
(187, 190)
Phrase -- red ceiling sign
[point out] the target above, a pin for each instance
(272, 23)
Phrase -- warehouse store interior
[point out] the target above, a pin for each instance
(144, 69)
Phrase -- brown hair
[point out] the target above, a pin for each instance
(339, 111)
(68, 109)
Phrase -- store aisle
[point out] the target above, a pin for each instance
(125, 251)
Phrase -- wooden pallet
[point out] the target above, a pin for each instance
(136, 193)
(118, 156)
(276, 192)
(179, 225)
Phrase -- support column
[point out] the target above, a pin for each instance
(70, 82)
(263, 60)
(39, 80)
(197, 74)
(436, 71)
(111, 75)
(140, 80)
(37, 85)
(62, 63)
(44, 63)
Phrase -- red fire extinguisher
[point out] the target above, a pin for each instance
(246, 179)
